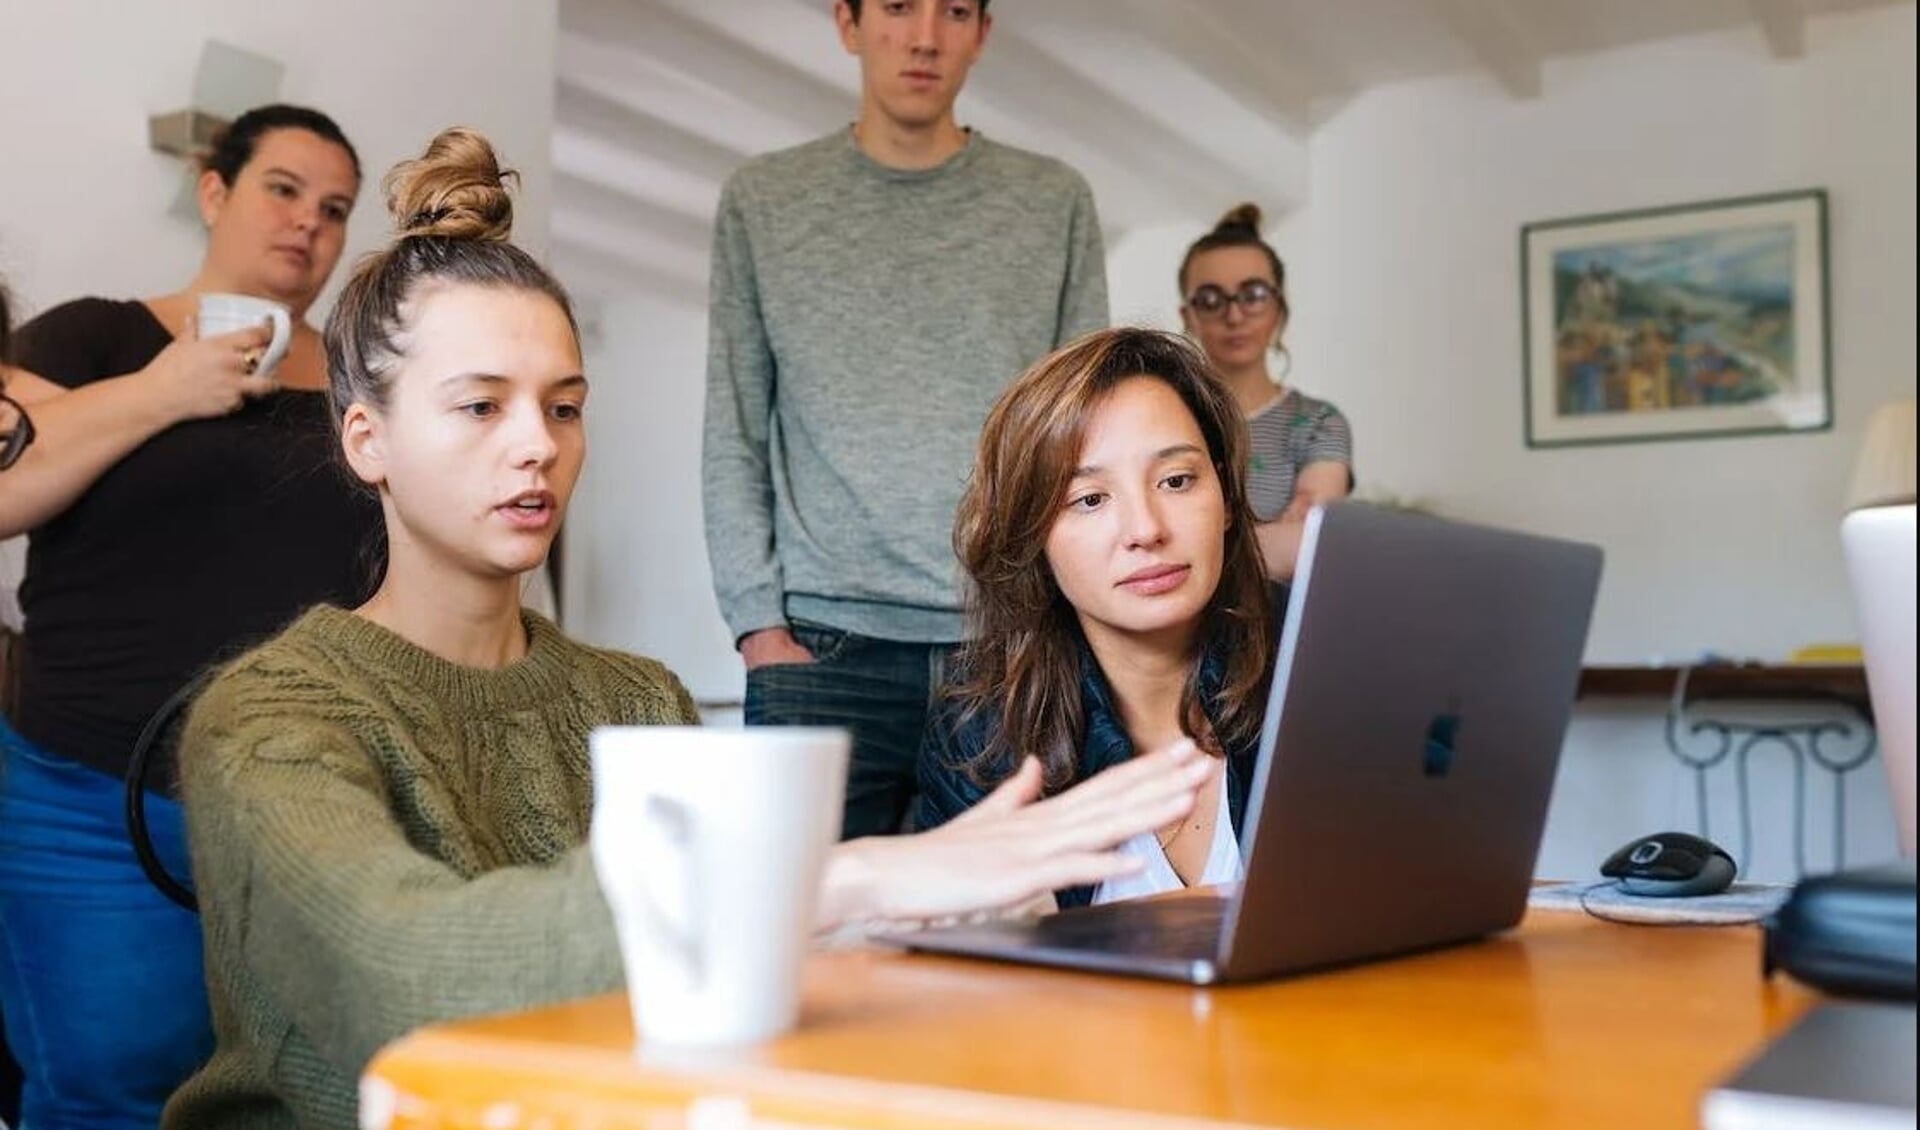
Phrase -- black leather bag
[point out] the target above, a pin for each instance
(1850, 933)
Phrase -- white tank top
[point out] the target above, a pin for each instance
(1223, 862)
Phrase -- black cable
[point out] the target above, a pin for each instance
(136, 792)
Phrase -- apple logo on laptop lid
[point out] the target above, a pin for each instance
(1443, 736)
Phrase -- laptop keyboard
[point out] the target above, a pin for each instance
(1169, 927)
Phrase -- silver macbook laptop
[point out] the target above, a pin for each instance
(1425, 676)
(1879, 546)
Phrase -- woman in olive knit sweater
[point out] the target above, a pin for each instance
(387, 807)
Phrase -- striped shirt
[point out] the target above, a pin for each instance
(1286, 435)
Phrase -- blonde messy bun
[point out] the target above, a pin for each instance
(454, 190)
(453, 222)
(1241, 217)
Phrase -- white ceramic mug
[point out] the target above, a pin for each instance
(225, 313)
(709, 846)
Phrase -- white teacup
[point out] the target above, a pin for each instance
(709, 846)
(225, 313)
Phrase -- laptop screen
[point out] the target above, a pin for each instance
(1879, 546)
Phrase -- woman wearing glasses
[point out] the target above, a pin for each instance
(182, 506)
(1234, 303)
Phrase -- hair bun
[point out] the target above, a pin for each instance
(1241, 217)
(454, 190)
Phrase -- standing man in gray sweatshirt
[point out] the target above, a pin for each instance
(873, 291)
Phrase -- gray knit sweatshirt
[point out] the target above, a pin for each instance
(863, 319)
(382, 839)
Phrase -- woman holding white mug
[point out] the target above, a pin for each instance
(183, 503)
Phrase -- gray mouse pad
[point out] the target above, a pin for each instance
(1742, 902)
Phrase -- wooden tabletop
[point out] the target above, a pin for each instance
(1566, 1022)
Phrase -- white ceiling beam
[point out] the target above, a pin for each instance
(1493, 36)
(699, 50)
(1020, 80)
(1270, 81)
(658, 89)
(636, 172)
(592, 272)
(595, 115)
(618, 206)
(1784, 25)
(643, 248)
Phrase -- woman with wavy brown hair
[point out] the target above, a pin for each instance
(1118, 602)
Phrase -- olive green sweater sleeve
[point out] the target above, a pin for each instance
(382, 841)
(356, 934)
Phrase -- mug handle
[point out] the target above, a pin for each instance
(672, 821)
(282, 339)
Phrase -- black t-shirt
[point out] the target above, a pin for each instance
(204, 540)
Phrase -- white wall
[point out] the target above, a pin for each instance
(1406, 297)
(1407, 309)
(1142, 267)
(636, 574)
(83, 201)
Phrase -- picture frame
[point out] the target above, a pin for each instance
(1682, 322)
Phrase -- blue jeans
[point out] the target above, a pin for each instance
(101, 985)
(880, 690)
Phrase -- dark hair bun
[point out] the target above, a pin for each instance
(454, 190)
(1241, 217)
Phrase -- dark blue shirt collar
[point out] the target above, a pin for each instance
(1106, 743)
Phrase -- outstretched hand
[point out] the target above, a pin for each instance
(1012, 846)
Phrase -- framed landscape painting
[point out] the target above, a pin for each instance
(1698, 320)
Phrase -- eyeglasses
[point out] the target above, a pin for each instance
(16, 431)
(1253, 298)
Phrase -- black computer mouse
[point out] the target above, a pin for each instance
(1671, 864)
